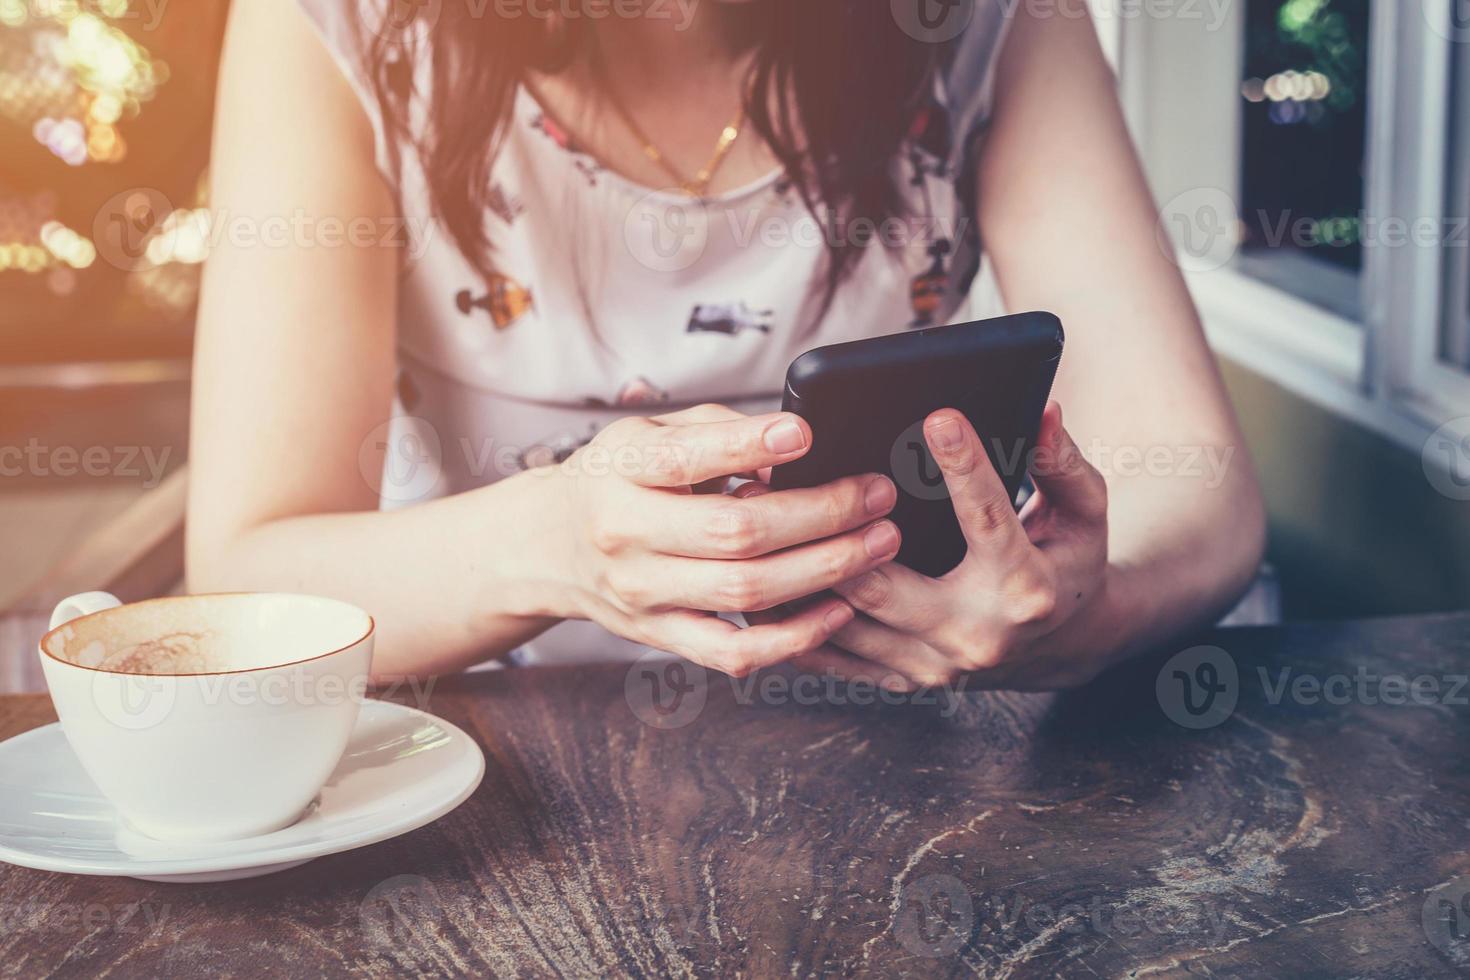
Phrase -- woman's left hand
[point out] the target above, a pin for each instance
(1023, 611)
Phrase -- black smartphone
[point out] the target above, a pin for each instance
(866, 402)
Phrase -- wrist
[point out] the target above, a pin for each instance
(543, 583)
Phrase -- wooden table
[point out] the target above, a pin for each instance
(1000, 835)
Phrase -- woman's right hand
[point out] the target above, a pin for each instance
(650, 559)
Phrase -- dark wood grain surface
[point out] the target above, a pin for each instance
(750, 831)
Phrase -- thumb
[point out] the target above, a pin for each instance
(1067, 481)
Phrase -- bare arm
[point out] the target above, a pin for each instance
(293, 375)
(1070, 225)
(294, 369)
(1147, 519)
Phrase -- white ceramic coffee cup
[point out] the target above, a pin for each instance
(208, 717)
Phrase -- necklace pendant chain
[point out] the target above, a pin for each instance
(698, 185)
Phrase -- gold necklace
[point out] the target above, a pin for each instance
(699, 183)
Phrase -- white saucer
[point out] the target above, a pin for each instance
(402, 769)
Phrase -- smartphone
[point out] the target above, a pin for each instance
(866, 402)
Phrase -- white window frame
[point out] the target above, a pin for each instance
(1180, 85)
(1457, 266)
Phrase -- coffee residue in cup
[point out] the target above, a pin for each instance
(173, 653)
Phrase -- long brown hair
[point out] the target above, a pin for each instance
(833, 90)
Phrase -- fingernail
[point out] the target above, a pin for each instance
(881, 540)
(881, 496)
(946, 434)
(784, 437)
(837, 618)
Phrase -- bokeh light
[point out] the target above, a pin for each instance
(98, 98)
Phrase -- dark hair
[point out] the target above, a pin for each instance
(834, 88)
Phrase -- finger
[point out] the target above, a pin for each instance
(683, 455)
(759, 617)
(831, 661)
(760, 522)
(709, 412)
(725, 647)
(986, 515)
(1066, 480)
(767, 581)
(897, 596)
(903, 653)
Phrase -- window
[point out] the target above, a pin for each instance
(1312, 158)
(104, 113)
(1303, 138)
(1455, 342)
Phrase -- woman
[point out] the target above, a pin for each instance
(614, 253)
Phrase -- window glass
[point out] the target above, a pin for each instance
(1303, 147)
(104, 138)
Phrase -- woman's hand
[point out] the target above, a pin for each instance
(651, 560)
(1023, 611)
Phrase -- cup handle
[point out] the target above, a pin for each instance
(82, 604)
